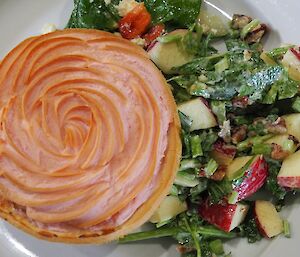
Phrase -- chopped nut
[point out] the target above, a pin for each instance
(278, 153)
(219, 174)
(183, 249)
(239, 134)
(294, 139)
(277, 127)
(247, 55)
(240, 21)
(240, 102)
(256, 35)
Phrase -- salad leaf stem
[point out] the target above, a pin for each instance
(195, 237)
(286, 229)
(249, 27)
(156, 233)
(206, 231)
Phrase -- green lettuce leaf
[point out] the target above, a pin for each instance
(94, 15)
(181, 12)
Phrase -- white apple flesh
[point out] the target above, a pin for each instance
(284, 141)
(224, 216)
(169, 208)
(292, 122)
(199, 113)
(169, 55)
(236, 165)
(267, 219)
(292, 63)
(253, 176)
(289, 174)
(223, 154)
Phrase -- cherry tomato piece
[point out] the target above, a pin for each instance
(135, 23)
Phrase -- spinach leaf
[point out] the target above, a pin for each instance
(249, 229)
(196, 148)
(259, 82)
(271, 185)
(235, 45)
(181, 12)
(218, 189)
(197, 65)
(94, 15)
(208, 138)
(195, 192)
(278, 53)
(185, 121)
(186, 143)
(184, 81)
(220, 91)
(243, 57)
(191, 43)
(296, 104)
(282, 89)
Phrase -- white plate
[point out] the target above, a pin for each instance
(22, 18)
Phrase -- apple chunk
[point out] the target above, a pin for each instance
(199, 112)
(292, 63)
(169, 55)
(285, 141)
(292, 122)
(224, 216)
(267, 219)
(169, 208)
(249, 174)
(236, 165)
(289, 174)
(223, 154)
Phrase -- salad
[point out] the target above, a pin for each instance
(239, 108)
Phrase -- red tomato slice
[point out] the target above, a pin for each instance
(135, 23)
(154, 33)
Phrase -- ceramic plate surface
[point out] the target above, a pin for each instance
(20, 19)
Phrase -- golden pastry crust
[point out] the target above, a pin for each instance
(169, 165)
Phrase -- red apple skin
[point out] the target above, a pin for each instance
(255, 177)
(152, 44)
(222, 153)
(289, 174)
(262, 231)
(220, 215)
(259, 226)
(290, 182)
